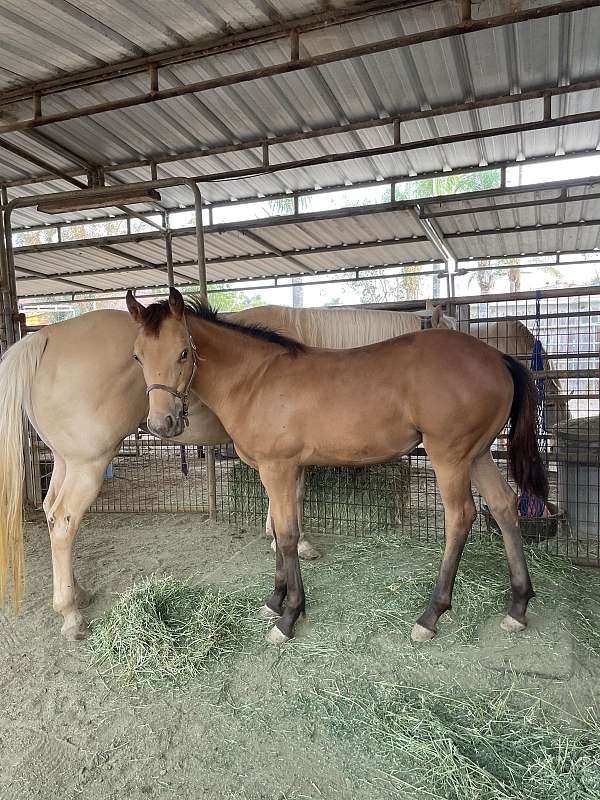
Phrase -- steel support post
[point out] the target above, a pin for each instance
(211, 475)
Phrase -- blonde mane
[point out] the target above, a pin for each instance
(347, 327)
(337, 328)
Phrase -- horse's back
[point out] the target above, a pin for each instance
(375, 402)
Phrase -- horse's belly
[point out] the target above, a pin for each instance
(364, 450)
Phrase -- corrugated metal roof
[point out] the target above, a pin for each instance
(90, 33)
(355, 242)
(504, 60)
(505, 225)
(503, 231)
(46, 38)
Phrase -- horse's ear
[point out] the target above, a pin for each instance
(135, 308)
(436, 316)
(176, 303)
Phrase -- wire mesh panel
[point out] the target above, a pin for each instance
(151, 475)
(557, 335)
(558, 338)
(147, 475)
(336, 499)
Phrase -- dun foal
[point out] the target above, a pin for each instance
(286, 406)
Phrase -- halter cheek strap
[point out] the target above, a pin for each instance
(184, 394)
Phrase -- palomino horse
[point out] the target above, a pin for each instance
(273, 395)
(83, 394)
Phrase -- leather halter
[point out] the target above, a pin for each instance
(184, 394)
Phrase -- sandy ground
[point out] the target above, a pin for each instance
(68, 732)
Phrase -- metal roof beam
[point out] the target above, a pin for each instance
(212, 45)
(153, 95)
(549, 226)
(560, 186)
(225, 227)
(399, 147)
(561, 198)
(348, 212)
(138, 265)
(545, 93)
(54, 172)
(392, 149)
(58, 173)
(226, 282)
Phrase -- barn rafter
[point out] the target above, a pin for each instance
(256, 106)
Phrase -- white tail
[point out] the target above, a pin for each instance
(17, 370)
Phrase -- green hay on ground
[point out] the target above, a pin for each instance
(349, 499)
(496, 745)
(482, 587)
(390, 582)
(165, 632)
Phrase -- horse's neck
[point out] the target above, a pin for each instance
(227, 358)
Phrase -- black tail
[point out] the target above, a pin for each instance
(524, 458)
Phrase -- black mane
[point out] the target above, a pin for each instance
(156, 313)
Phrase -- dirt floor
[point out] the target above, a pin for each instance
(253, 728)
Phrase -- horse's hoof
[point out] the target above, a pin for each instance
(306, 550)
(512, 625)
(264, 612)
(420, 633)
(83, 597)
(277, 637)
(75, 631)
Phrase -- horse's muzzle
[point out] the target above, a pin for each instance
(167, 427)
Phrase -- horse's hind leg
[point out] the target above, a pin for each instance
(502, 502)
(56, 482)
(79, 489)
(455, 487)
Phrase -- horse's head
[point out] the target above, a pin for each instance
(166, 353)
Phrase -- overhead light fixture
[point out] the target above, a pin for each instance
(84, 200)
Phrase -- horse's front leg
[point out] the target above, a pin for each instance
(287, 601)
(306, 549)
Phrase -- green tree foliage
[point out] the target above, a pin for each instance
(449, 184)
(234, 300)
(389, 290)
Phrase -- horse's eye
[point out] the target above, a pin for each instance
(183, 355)
(136, 358)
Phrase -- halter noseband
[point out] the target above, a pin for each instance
(183, 395)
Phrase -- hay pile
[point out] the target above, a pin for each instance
(496, 745)
(347, 499)
(164, 632)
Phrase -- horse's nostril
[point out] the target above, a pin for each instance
(169, 422)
